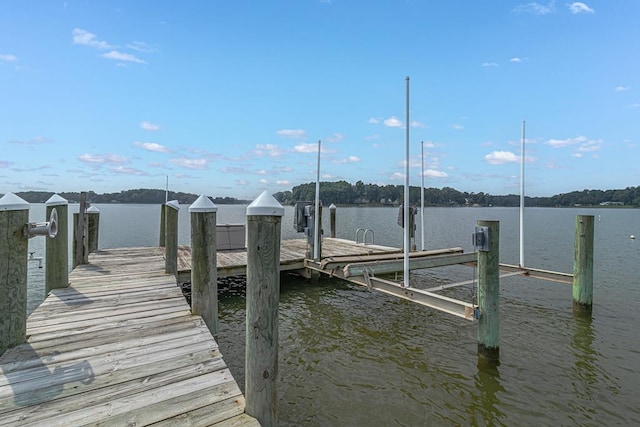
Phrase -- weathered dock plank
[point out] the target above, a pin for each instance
(292, 255)
(118, 347)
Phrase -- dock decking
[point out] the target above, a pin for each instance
(292, 251)
(119, 346)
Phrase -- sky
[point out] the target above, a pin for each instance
(231, 98)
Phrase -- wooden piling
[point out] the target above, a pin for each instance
(163, 219)
(14, 215)
(93, 214)
(264, 217)
(488, 298)
(332, 220)
(80, 245)
(204, 273)
(57, 249)
(583, 265)
(171, 238)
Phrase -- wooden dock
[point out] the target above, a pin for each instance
(292, 256)
(119, 346)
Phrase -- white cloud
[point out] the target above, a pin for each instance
(392, 122)
(396, 176)
(263, 181)
(284, 183)
(306, 147)
(142, 47)
(559, 143)
(152, 146)
(86, 38)
(515, 59)
(535, 8)
(113, 159)
(579, 7)
(190, 163)
(8, 57)
(292, 133)
(456, 127)
(374, 121)
(622, 88)
(432, 173)
(350, 159)
(417, 124)
(269, 150)
(242, 182)
(501, 157)
(149, 126)
(583, 144)
(128, 171)
(121, 56)
(489, 64)
(591, 146)
(262, 172)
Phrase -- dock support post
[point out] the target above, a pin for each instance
(80, 248)
(14, 214)
(171, 238)
(57, 249)
(204, 270)
(488, 297)
(93, 214)
(332, 220)
(264, 218)
(583, 266)
(163, 220)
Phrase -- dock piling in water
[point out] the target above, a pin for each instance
(163, 220)
(488, 297)
(171, 238)
(80, 232)
(14, 215)
(93, 214)
(583, 266)
(332, 220)
(57, 250)
(264, 218)
(204, 271)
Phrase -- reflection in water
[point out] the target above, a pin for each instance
(589, 377)
(485, 404)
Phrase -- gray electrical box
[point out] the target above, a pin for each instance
(301, 216)
(481, 239)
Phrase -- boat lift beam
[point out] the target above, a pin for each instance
(448, 305)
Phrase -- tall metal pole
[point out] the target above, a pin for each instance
(406, 198)
(522, 198)
(316, 225)
(422, 196)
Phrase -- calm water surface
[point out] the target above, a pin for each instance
(353, 357)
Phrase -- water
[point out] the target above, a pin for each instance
(353, 357)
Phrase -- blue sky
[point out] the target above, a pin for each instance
(230, 98)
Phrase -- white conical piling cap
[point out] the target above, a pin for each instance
(203, 204)
(174, 204)
(265, 205)
(56, 200)
(93, 210)
(332, 206)
(11, 202)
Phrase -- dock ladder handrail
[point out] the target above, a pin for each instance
(364, 235)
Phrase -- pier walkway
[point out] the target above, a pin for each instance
(119, 346)
(292, 256)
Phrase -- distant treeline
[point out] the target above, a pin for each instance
(141, 195)
(342, 192)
